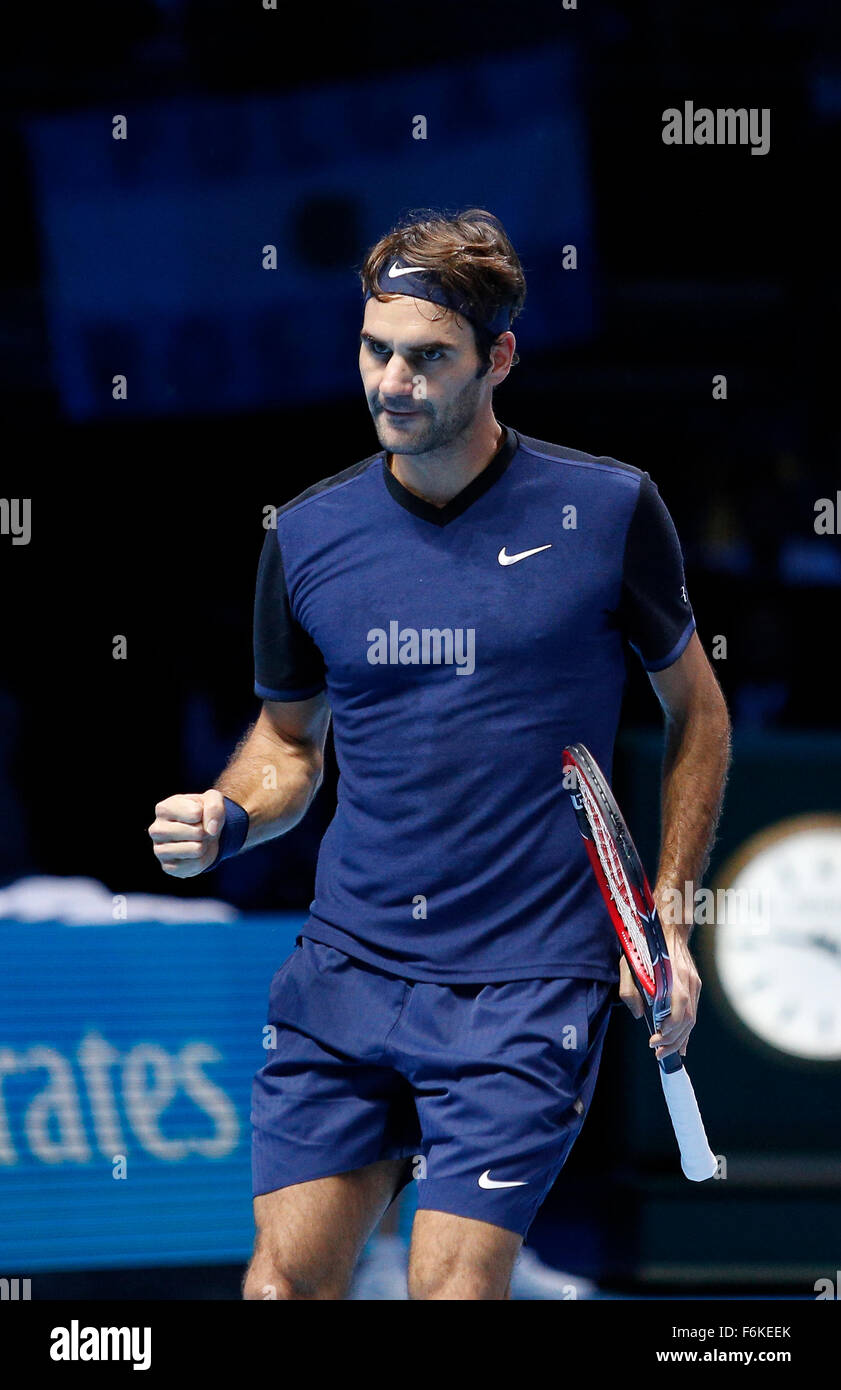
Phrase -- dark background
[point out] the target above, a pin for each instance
(146, 514)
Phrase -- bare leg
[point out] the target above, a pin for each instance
(455, 1257)
(310, 1235)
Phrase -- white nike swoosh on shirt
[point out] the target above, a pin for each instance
(523, 555)
(487, 1181)
(404, 270)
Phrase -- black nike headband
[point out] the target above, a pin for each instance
(420, 283)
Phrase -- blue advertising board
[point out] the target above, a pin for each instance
(126, 1058)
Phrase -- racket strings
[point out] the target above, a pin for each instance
(617, 880)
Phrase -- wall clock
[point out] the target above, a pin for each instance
(775, 950)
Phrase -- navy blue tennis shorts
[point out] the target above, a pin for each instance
(483, 1087)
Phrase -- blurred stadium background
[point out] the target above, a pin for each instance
(139, 1037)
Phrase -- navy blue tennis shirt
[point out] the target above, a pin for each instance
(461, 648)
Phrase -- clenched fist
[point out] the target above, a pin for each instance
(186, 831)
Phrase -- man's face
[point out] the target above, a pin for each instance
(419, 374)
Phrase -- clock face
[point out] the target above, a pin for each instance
(777, 948)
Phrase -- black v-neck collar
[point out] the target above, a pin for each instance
(440, 516)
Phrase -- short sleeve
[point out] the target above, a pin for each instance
(655, 613)
(287, 663)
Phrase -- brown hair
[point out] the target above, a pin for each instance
(471, 255)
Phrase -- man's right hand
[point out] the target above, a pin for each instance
(186, 831)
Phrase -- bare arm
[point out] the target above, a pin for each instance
(278, 766)
(695, 767)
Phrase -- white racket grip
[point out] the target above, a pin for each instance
(696, 1157)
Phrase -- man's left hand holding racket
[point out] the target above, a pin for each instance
(686, 987)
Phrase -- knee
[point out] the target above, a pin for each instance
(275, 1286)
(270, 1279)
(270, 1285)
(457, 1282)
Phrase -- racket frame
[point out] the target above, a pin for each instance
(655, 988)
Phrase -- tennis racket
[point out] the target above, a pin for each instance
(625, 889)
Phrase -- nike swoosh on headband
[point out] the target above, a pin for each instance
(394, 271)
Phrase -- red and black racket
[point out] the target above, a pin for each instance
(625, 889)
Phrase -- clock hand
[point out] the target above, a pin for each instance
(823, 943)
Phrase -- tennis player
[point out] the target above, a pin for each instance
(460, 603)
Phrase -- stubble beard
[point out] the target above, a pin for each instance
(432, 432)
